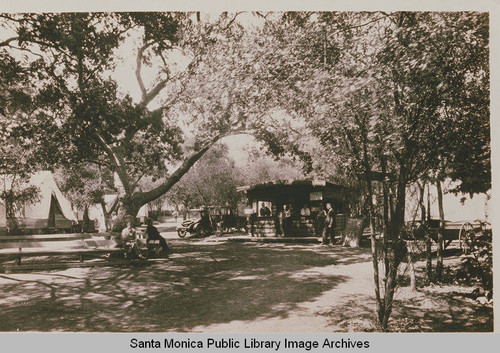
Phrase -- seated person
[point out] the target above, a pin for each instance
(153, 234)
(129, 241)
(305, 211)
(265, 211)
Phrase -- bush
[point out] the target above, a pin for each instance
(477, 268)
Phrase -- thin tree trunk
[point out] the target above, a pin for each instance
(107, 213)
(386, 212)
(396, 248)
(428, 240)
(421, 202)
(390, 286)
(376, 274)
(429, 203)
(411, 267)
(439, 265)
(428, 251)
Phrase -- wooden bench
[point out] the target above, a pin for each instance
(80, 244)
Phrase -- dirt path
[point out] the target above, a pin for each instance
(350, 306)
(230, 287)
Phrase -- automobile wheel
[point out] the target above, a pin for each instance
(181, 233)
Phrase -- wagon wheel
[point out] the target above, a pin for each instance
(467, 237)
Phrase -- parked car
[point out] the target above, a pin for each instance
(197, 222)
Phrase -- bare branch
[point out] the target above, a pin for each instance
(26, 49)
(149, 96)
(138, 71)
(7, 41)
(233, 19)
(258, 13)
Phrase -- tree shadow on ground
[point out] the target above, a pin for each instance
(435, 309)
(356, 314)
(201, 284)
(447, 307)
(420, 311)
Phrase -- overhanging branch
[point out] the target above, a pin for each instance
(144, 197)
(151, 195)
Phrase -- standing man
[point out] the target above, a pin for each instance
(328, 235)
(286, 221)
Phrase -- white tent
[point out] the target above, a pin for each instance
(52, 210)
(96, 213)
(456, 207)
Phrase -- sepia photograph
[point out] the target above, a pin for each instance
(245, 172)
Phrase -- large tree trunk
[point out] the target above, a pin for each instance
(127, 210)
(142, 198)
(132, 201)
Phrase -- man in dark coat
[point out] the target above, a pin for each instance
(286, 221)
(153, 234)
(328, 234)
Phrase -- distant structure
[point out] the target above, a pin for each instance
(304, 199)
(457, 206)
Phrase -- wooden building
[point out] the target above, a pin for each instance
(305, 200)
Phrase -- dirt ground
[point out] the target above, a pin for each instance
(232, 287)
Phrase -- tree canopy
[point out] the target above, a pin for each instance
(392, 98)
(405, 92)
(201, 90)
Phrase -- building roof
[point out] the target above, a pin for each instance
(302, 182)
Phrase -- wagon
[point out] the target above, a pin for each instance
(468, 233)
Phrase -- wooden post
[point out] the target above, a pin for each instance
(18, 259)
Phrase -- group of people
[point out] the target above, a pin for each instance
(325, 221)
(129, 239)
